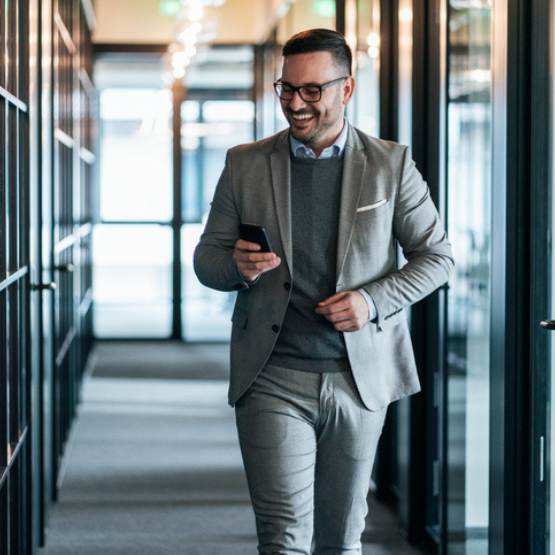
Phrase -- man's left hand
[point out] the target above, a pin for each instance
(347, 311)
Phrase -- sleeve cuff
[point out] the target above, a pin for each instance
(244, 281)
(372, 312)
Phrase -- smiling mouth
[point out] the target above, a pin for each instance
(302, 117)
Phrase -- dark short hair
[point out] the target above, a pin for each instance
(321, 40)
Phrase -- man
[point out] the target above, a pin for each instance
(320, 345)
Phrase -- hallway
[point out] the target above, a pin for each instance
(155, 465)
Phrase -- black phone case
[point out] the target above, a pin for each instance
(255, 234)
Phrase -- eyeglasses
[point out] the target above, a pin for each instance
(309, 93)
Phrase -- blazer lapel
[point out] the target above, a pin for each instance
(353, 175)
(281, 184)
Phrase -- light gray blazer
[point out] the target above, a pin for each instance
(384, 200)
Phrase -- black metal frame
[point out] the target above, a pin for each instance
(428, 410)
(387, 458)
(178, 95)
(519, 272)
(541, 191)
(389, 69)
(15, 373)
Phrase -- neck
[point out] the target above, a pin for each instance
(318, 149)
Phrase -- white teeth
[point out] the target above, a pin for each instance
(302, 116)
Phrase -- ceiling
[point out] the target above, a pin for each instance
(141, 22)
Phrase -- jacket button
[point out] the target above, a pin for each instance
(275, 328)
(287, 286)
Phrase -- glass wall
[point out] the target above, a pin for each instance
(133, 280)
(136, 173)
(132, 263)
(364, 111)
(468, 304)
(134, 253)
(209, 129)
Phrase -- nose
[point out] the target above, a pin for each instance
(296, 103)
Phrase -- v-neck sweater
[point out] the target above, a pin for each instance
(308, 341)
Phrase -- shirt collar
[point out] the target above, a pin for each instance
(301, 151)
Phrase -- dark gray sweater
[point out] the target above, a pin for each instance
(307, 341)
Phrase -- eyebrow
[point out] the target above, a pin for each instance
(303, 85)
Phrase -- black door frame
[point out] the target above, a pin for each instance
(521, 180)
(541, 217)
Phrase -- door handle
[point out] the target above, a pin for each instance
(548, 324)
(66, 268)
(44, 287)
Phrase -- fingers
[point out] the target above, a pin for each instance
(334, 304)
(345, 320)
(347, 311)
(251, 263)
(333, 299)
(246, 246)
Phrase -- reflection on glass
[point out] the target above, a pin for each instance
(136, 149)
(132, 280)
(210, 129)
(366, 99)
(469, 202)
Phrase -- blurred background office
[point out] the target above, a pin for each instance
(115, 119)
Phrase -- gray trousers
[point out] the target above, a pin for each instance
(308, 447)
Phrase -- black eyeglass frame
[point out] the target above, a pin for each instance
(278, 84)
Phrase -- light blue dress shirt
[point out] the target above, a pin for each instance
(336, 149)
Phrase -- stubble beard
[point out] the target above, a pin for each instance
(318, 131)
(320, 126)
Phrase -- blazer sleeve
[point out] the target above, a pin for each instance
(424, 243)
(213, 258)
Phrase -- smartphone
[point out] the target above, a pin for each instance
(255, 234)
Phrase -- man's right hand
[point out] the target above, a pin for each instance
(251, 263)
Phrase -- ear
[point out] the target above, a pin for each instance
(348, 89)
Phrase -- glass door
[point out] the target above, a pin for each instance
(469, 187)
(158, 171)
(133, 244)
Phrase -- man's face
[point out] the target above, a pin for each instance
(316, 124)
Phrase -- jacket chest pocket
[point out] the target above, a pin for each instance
(373, 227)
(372, 211)
(239, 318)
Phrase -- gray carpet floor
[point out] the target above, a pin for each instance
(155, 466)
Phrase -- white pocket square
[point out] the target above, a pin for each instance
(372, 206)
